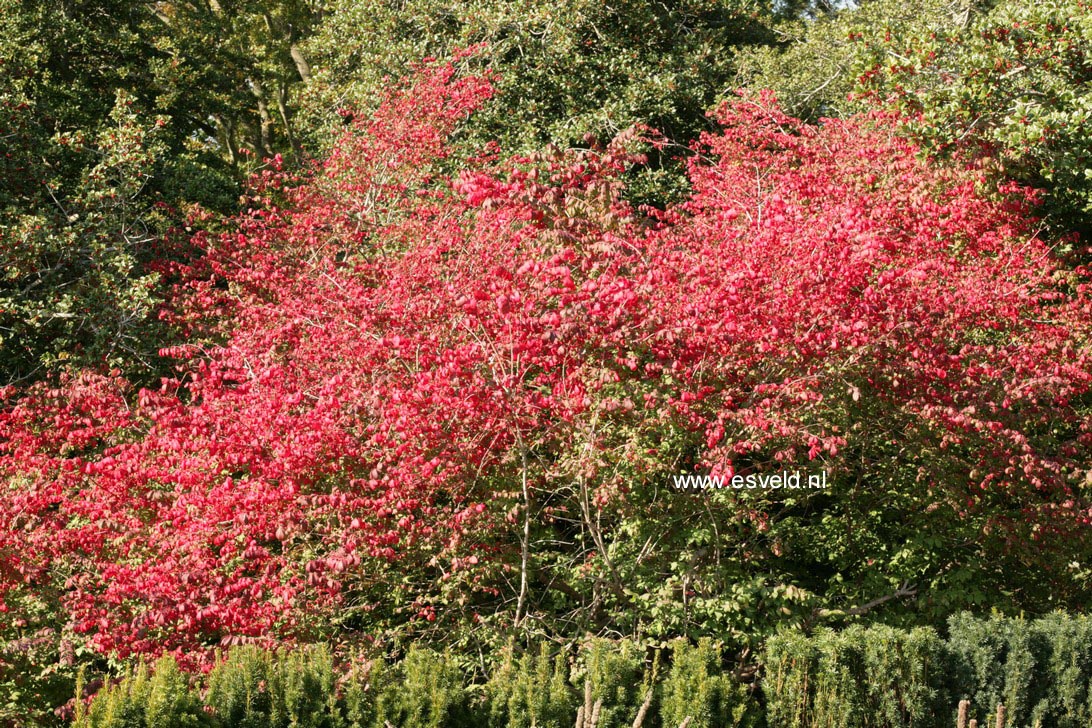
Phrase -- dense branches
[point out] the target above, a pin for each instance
(413, 363)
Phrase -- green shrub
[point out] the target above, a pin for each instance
(425, 691)
(615, 670)
(142, 699)
(1041, 670)
(240, 688)
(361, 685)
(906, 676)
(791, 659)
(839, 677)
(1070, 669)
(861, 677)
(811, 681)
(876, 676)
(565, 68)
(696, 687)
(1005, 77)
(996, 660)
(531, 691)
(257, 688)
(308, 684)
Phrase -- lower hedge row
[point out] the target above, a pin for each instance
(876, 677)
(611, 686)
(1039, 670)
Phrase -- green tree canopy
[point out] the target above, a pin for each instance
(565, 69)
(1008, 82)
(117, 118)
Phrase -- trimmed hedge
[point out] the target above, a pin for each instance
(877, 676)
(604, 685)
(860, 677)
(1040, 670)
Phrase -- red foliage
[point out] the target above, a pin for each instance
(394, 338)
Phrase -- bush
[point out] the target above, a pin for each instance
(877, 676)
(426, 691)
(696, 688)
(255, 688)
(361, 685)
(531, 691)
(1041, 670)
(718, 343)
(142, 699)
(1070, 668)
(862, 677)
(614, 670)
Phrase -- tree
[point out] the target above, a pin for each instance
(121, 119)
(460, 402)
(565, 70)
(1007, 81)
(231, 69)
(1014, 84)
(77, 222)
(816, 66)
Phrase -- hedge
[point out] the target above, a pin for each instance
(1040, 670)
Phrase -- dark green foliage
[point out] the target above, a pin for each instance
(231, 70)
(877, 676)
(77, 219)
(1070, 668)
(997, 658)
(256, 688)
(1041, 670)
(533, 690)
(161, 698)
(425, 691)
(697, 687)
(116, 118)
(820, 62)
(75, 287)
(38, 660)
(1013, 83)
(564, 69)
(1005, 81)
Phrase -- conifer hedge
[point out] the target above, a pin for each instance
(1039, 670)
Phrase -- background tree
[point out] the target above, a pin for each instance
(564, 69)
(816, 65)
(232, 69)
(1007, 80)
(118, 119)
(452, 408)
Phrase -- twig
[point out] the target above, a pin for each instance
(640, 719)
